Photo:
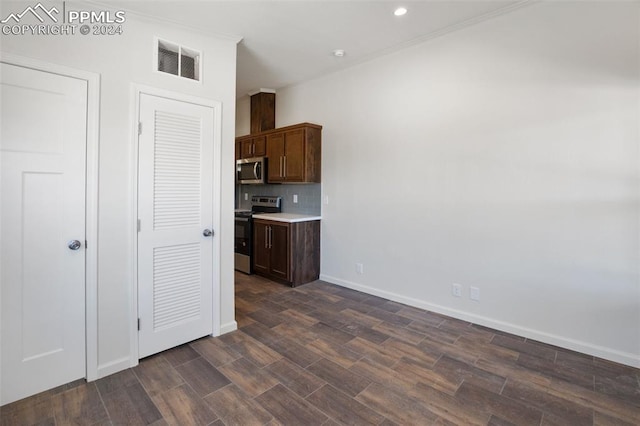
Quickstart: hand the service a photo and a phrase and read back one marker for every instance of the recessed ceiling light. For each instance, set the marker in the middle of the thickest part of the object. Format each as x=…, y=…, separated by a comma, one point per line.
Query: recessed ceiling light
x=339, y=53
x=400, y=11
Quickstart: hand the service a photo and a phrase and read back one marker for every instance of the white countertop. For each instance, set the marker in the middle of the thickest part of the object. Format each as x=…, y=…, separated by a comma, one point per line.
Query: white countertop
x=286, y=217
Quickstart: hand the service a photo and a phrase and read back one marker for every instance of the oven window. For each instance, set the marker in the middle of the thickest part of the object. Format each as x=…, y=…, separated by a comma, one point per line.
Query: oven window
x=242, y=229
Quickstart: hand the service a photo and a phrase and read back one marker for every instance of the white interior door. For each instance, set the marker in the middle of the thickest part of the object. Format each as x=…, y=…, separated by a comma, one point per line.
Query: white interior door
x=175, y=210
x=43, y=149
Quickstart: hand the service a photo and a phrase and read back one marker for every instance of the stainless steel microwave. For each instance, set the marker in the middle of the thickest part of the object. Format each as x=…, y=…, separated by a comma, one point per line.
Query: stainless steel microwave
x=251, y=170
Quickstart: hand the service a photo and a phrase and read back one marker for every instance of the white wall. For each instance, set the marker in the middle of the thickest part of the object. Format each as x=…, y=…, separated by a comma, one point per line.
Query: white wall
x=121, y=61
x=243, y=117
x=503, y=156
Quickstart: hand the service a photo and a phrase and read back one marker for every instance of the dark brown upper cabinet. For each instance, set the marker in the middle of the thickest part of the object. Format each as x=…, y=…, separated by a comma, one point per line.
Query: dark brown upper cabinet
x=263, y=112
x=294, y=154
x=251, y=146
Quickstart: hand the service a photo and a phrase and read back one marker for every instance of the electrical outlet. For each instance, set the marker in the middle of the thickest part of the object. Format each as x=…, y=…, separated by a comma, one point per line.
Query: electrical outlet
x=295, y=198
x=474, y=293
x=360, y=268
x=456, y=290
x=246, y=196
x=326, y=199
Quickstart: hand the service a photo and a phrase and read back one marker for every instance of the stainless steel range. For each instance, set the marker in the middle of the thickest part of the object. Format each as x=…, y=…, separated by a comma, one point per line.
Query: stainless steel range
x=243, y=245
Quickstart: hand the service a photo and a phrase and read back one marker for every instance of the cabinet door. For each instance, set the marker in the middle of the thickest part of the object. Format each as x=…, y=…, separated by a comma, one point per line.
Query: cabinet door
x=238, y=150
x=294, y=152
x=261, y=251
x=275, y=153
x=259, y=146
x=247, y=148
x=279, y=236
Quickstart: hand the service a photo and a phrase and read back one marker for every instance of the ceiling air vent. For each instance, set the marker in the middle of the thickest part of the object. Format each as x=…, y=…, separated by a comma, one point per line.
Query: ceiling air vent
x=178, y=60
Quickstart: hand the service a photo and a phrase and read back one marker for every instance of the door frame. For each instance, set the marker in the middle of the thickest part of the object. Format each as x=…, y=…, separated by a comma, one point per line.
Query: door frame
x=136, y=91
x=91, y=193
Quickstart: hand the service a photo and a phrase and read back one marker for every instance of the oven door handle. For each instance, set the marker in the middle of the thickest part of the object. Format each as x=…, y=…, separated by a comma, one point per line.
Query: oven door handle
x=243, y=219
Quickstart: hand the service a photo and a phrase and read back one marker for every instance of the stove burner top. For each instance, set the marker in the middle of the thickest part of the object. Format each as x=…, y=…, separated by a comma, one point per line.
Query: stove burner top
x=261, y=204
x=266, y=204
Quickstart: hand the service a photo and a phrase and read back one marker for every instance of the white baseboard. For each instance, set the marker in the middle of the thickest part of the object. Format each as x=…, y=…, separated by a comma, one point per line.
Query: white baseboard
x=228, y=327
x=630, y=359
x=126, y=362
x=112, y=367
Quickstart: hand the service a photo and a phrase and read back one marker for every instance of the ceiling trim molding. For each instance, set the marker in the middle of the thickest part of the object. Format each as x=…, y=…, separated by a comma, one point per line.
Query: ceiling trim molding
x=261, y=90
x=424, y=38
x=163, y=21
x=455, y=27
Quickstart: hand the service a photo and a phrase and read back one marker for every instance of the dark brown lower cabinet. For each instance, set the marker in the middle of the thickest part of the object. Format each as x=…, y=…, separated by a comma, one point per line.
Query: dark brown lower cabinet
x=287, y=252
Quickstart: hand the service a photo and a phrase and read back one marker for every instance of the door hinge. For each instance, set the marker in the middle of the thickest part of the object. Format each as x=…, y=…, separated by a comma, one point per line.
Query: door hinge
x=138, y=225
x=138, y=324
x=139, y=127
x=86, y=246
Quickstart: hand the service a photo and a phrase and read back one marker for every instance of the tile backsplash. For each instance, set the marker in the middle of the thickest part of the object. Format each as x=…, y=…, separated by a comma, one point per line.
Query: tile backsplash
x=309, y=196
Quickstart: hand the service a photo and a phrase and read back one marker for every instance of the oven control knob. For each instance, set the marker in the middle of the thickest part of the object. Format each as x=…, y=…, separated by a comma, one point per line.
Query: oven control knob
x=207, y=232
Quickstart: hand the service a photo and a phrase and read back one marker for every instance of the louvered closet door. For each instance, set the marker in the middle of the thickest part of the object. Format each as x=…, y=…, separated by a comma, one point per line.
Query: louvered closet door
x=175, y=207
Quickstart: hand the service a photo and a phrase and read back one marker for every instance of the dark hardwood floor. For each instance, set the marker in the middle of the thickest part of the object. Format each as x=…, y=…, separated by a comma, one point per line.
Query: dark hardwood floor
x=324, y=355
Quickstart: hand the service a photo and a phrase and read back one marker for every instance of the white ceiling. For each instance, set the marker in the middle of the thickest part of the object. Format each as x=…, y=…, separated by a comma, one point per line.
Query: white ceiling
x=287, y=42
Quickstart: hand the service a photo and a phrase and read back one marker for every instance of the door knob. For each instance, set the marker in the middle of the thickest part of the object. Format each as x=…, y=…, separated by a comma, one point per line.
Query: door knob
x=74, y=244
x=207, y=232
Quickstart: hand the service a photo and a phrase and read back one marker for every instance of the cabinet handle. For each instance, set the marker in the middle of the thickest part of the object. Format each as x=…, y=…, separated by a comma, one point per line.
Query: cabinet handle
x=284, y=167
x=270, y=237
x=266, y=237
